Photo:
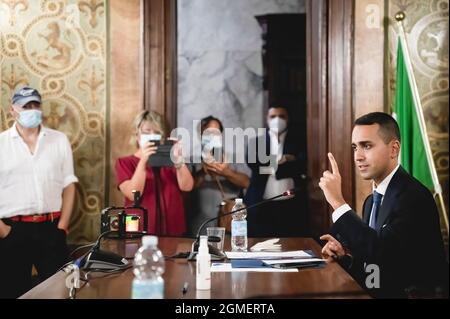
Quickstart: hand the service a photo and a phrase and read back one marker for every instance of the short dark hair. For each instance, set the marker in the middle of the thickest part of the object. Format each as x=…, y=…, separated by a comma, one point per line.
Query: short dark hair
x=278, y=106
x=389, y=129
x=206, y=120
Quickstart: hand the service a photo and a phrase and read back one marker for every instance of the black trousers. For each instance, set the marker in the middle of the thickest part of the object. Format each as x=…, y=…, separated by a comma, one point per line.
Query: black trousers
x=40, y=244
x=284, y=218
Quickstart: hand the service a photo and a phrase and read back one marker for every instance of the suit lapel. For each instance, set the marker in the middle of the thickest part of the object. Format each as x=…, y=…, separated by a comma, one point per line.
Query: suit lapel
x=392, y=191
x=367, y=208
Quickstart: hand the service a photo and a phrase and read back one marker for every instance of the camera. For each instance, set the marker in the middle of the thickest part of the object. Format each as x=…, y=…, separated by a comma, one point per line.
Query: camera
x=118, y=224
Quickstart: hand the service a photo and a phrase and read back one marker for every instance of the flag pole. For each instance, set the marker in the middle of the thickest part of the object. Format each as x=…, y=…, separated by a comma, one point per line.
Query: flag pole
x=400, y=16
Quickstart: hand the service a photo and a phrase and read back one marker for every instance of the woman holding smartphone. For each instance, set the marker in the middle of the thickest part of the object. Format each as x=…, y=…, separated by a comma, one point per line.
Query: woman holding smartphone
x=161, y=187
x=216, y=177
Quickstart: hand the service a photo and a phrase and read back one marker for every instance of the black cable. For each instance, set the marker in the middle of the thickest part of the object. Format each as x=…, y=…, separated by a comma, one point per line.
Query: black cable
x=95, y=245
x=81, y=247
x=97, y=242
x=85, y=279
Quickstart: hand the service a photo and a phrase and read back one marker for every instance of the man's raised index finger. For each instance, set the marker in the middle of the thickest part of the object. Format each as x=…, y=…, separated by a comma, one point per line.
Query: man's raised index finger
x=334, y=166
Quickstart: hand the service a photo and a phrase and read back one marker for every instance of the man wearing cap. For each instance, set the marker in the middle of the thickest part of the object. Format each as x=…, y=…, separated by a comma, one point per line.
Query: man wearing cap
x=36, y=198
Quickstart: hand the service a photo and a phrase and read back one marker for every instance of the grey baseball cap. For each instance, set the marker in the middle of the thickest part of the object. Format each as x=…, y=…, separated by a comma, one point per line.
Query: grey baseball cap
x=25, y=95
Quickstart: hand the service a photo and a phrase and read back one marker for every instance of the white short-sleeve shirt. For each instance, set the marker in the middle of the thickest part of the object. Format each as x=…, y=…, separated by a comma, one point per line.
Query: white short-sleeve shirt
x=33, y=183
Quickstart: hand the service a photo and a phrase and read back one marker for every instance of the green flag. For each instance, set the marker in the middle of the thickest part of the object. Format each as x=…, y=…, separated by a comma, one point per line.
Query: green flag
x=413, y=155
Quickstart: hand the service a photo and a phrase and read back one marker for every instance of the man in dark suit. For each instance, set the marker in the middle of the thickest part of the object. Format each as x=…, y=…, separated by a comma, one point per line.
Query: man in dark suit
x=396, y=250
x=287, y=216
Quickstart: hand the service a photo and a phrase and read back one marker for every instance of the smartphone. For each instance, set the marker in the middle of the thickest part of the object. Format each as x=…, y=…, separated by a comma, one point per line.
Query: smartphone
x=217, y=153
x=156, y=142
x=162, y=156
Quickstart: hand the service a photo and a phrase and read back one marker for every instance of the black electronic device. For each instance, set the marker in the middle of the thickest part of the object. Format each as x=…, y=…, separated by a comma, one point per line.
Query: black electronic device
x=162, y=156
x=119, y=224
x=104, y=260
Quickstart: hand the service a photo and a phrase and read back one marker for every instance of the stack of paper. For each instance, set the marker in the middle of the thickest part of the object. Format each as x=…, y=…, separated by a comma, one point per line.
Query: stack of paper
x=294, y=263
x=227, y=267
x=268, y=255
x=268, y=261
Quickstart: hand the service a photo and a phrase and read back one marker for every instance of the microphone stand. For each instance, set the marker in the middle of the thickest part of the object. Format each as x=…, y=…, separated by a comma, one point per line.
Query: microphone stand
x=216, y=254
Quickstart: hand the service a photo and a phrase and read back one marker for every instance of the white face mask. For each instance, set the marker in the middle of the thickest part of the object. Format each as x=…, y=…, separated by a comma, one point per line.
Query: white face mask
x=30, y=118
x=148, y=137
x=211, y=140
x=277, y=125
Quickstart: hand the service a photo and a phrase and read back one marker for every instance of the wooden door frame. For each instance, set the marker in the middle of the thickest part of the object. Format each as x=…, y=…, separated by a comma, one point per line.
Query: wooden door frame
x=159, y=58
x=329, y=87
x=329, y=105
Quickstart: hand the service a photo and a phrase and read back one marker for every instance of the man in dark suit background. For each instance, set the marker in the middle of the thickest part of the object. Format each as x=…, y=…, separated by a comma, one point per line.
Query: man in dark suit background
x=399, y=232
x=286, y=216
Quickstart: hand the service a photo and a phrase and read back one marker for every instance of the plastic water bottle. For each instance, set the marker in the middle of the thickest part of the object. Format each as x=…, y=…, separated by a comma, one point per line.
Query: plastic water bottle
x=203, y=279
x=148, y=267
x=239, y=227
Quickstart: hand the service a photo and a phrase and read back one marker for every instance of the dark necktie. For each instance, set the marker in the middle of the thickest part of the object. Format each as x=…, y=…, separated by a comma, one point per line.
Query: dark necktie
x=375, y=208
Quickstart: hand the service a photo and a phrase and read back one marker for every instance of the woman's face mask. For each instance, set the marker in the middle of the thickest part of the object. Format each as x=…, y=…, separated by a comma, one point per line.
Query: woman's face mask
x=211, y=141
x=212, y=146
x=144, y=138
x=277, y=125
x=30, y=118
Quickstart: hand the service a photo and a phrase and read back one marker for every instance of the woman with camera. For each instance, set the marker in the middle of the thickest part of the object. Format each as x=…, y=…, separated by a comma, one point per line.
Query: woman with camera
x=161, y=187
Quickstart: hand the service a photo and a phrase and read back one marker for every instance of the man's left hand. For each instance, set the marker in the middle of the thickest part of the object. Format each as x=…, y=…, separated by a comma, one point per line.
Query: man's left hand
x=333, y=248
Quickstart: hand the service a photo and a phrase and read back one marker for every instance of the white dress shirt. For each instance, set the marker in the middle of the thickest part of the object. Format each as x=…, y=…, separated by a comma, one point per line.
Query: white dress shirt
x=33, y=183
x=275, y=186
x=381, y=189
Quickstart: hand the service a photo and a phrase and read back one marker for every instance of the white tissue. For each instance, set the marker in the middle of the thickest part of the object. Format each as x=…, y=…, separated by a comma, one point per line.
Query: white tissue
x=268, y=245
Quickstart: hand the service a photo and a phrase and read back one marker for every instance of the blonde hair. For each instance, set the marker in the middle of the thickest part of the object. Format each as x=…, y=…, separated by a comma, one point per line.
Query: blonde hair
x=154, y=118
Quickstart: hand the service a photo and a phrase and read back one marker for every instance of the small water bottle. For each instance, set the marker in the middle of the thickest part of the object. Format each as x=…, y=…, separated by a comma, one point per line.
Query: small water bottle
x=239, y=227
x=203, y=278
x=148, y=269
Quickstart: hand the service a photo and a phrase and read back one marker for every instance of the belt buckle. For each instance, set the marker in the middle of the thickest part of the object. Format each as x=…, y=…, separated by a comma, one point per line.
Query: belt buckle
x=35, y=217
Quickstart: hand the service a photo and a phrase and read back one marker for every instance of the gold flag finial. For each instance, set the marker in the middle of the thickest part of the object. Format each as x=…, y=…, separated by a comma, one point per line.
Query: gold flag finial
x=400, y=16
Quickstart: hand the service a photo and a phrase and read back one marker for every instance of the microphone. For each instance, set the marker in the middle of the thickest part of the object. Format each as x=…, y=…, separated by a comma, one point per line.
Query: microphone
x=217, y=254
x=97, y=258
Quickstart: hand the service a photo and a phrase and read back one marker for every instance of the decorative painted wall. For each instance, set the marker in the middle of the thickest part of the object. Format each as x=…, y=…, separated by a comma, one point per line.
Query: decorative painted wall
x=427, y=29
x=59, y=47
x=220, y=59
